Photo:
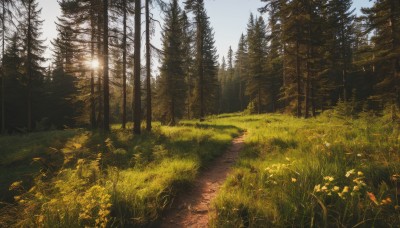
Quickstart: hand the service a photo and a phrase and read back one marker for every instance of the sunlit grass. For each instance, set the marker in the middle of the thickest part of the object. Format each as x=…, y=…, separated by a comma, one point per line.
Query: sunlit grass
x=291, y=172
x=135, y=177
x=297, y=169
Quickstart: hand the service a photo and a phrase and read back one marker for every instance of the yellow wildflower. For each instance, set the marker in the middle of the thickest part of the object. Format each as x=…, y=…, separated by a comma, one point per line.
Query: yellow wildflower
x=350, y=172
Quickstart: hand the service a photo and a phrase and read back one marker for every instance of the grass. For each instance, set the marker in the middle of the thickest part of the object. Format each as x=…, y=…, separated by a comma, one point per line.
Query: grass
x=116, y=179
x=17, y=152
x=292, y=173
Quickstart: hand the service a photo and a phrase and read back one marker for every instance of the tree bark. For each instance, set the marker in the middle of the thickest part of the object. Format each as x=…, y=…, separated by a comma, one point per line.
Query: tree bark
x=148, y=69
x=200, y=66
x=137, y=93
x=29, y=67
x=99, y=70
x=124, y=38
x=92, y=89
x=298, y=79
x=106, y=86
x=3, y=81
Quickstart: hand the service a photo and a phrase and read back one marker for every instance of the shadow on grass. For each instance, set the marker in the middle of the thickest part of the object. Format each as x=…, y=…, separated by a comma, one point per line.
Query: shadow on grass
x=283, y=143
x=18, y=152
x=145, y=152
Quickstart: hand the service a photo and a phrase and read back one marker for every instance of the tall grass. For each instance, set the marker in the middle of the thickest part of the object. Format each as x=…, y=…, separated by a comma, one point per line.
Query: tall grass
x=117, y=179
x=313, y=173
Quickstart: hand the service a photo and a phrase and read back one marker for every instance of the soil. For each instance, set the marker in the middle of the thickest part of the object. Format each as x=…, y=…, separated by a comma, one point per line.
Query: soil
x=192, y=208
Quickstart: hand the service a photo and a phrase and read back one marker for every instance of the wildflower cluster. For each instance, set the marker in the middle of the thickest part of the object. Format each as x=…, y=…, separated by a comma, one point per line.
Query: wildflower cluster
x=96, y=206
x=358, y=184
x=328, y=187
x=275, y=170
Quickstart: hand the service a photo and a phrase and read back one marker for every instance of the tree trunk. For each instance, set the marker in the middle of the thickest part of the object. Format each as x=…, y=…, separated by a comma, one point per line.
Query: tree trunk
x=344, y=70
x=99, y=73
x=148, y=69
x=137, y=98
x=3, y=80
x=240, y=85
x=106, y=88
x=124, y=38
x=259, y=99
x=298, y=80
x=200, y=66
x=29, y=68
x=312, y=92
x=92, y=86
x=307, y=85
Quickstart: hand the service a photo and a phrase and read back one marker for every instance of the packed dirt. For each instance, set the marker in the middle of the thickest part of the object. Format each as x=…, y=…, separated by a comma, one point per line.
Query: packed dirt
x=192, y=208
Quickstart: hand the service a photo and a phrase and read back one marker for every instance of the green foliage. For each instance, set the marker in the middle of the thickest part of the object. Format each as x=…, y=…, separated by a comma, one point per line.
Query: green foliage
x=129, y=183
x=312, y=173
x=171, y=86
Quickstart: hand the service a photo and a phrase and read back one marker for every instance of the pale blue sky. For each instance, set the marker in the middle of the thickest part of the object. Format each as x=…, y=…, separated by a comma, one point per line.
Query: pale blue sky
x=228, y=18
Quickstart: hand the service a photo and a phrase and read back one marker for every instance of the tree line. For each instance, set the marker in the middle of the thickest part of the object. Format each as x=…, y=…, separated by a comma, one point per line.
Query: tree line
x=306, y=57
x=97, y=65
x=310, y=56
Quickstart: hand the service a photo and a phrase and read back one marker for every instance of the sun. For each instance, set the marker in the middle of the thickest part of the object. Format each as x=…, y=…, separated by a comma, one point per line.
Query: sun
x=94, y=64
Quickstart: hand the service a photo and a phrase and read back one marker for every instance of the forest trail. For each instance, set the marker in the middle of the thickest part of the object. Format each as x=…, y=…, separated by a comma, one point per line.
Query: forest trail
x=192, y=208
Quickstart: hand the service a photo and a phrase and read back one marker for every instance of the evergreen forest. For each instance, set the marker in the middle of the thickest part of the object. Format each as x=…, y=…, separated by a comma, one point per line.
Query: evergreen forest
x=296, y=125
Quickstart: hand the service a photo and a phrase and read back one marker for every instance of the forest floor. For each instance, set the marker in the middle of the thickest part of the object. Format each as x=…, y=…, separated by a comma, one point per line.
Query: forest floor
x=192, y=208
x=333, y=170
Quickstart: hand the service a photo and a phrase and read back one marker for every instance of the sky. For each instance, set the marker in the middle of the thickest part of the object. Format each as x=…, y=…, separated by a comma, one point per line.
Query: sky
x=228, y=18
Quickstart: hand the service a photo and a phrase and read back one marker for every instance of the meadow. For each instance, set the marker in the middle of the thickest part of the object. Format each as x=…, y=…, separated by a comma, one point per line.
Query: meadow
x=321, y=172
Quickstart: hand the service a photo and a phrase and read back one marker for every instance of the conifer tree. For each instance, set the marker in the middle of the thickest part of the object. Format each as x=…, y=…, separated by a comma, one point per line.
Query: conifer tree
x=257, y=52
x=32, y=55
x=340, y=39
x=171, y=86
x=241, y=70
x=384, y=18
x=188, y=62
x=106, y=86
x=12, y=63
x=206, y=61
x=137, y=103
x=7, y=16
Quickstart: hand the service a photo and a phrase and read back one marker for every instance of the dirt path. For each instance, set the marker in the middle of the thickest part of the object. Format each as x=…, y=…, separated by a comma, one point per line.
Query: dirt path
x=192, y=208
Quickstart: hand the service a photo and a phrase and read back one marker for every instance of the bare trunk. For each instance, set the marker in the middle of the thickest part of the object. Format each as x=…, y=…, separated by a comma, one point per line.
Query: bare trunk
x=344, y=70
x=99, y=74
x=298, y=80
x=3, y=81
x=259, y=99
x=313, y=108
x=92, y=89
x=106, y=88
x=29, y=68
x=148, y=69
x=124, y=38
x=200, y=68
x=137, y=98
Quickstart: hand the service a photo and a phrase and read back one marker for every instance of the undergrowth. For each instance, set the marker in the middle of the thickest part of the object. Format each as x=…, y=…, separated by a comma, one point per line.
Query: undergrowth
x=323, y=172
x=116, y=179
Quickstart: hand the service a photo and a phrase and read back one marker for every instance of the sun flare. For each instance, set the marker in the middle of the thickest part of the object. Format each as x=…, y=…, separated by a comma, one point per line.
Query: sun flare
x=94, y=64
